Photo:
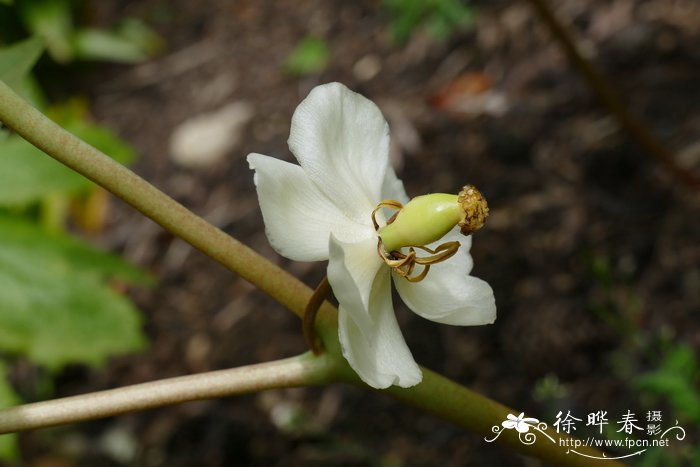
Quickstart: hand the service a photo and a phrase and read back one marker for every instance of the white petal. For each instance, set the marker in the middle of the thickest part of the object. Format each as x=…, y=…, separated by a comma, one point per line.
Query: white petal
x=461, y=262
x=341, y=140
x=393, y=188
x=352, y=268
x=375, y=348
x=298, y=217
x=448, y=294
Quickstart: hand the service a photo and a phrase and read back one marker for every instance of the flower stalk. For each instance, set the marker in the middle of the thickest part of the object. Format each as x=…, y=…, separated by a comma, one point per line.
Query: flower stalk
x=303, y=370
x=474, y=412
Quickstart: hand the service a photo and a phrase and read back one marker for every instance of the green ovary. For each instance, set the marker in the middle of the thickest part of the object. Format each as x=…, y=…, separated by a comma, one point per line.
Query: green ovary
x=423, y=220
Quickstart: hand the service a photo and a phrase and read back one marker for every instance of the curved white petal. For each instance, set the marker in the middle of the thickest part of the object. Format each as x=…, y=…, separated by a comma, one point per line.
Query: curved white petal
x=461, y=262
x=448, y=299
x=375, y=347
x=298, y=217
x=448, y=294
x=352, y=268
x=341, y=140
x=393, y=188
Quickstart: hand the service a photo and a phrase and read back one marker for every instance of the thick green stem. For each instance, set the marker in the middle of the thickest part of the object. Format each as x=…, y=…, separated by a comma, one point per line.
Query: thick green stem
x=468, y=409
x=304, y=370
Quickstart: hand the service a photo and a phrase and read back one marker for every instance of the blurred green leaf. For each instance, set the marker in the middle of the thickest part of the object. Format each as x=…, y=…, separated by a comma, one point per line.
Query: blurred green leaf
x=6, y=2
x=52, y=21
x=30, y=89
x=676, y=379
x=132, y=41
x=449, y=17
x=96, y=44
x=311, y=55
x=55, y=304
x=18, y=59
x=28, y=175
x=8, y=397
x=440, y=18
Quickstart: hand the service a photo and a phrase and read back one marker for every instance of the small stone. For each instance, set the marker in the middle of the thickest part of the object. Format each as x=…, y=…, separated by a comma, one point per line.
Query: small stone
x=367, y=67
x=205, y=139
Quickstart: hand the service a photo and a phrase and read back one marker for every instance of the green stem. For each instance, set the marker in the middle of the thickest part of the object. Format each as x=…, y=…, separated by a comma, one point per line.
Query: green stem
x=36, y=128
x=303, y=370
x=474, y=412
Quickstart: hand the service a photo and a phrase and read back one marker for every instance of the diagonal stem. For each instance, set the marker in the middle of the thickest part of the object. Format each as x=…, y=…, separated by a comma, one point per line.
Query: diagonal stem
x=463, y=407
x=36, y=128
x=303, y=370
x=610, y=99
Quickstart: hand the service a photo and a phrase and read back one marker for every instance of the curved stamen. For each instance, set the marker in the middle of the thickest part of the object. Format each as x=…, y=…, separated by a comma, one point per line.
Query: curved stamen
x=387, y=203
x=441, y=253
x=405, y=264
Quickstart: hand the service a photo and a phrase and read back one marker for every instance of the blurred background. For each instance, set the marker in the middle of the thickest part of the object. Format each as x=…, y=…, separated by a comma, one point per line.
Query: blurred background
x=591, y=248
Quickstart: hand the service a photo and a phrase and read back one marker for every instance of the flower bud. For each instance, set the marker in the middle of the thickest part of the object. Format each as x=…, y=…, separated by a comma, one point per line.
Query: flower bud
x=426, y=219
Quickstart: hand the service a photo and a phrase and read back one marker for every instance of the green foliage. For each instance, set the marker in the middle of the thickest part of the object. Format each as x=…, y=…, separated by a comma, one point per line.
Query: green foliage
x=130, y=42
x=50, y=20
x=310, y=56
x=55, y=306
x=8, y=397
x=58, y=300
x=17, y=60
x=27, y=175
x=54, y=21
x=439, y=18
x=676, y=378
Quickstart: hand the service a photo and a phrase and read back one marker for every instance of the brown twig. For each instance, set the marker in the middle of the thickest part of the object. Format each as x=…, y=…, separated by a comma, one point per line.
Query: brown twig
x=595, y=79
x=309, y=318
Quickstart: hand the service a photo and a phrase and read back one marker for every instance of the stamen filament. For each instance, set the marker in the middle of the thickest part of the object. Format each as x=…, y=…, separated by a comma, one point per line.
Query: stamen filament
x=387, y=203
x=404, y=263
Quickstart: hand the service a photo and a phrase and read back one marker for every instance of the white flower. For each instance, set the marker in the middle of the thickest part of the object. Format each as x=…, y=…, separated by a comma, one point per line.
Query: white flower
x=520, y=423
x=321, y=210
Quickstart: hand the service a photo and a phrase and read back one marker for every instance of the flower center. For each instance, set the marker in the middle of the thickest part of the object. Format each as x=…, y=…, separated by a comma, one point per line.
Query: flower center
x=424, y=220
